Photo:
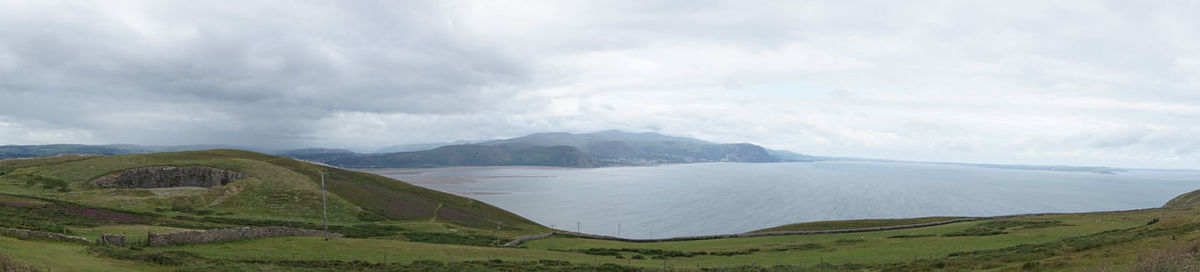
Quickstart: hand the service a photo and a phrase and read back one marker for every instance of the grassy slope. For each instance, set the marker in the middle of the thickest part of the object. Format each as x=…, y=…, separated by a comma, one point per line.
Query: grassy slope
x=58, y=256
x=875, y=248
x=278, y=188
x=856, y=224
x=1190, y=199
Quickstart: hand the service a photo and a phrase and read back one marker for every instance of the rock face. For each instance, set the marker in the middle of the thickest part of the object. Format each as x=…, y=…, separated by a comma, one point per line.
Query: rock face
x=168, y=176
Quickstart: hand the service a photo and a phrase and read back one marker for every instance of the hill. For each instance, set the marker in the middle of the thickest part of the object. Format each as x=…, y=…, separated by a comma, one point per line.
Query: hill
x=239, y=185
x=462, y=155
x=1186, y=200
x=29, y=151
x=417, y=147
x=624, y=148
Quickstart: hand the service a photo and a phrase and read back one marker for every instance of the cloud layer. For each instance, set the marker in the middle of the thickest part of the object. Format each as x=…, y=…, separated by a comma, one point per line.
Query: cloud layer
x=1070, y=82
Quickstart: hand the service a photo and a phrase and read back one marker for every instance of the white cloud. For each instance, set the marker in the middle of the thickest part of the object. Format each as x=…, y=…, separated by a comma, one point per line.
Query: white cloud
x=1072, y=82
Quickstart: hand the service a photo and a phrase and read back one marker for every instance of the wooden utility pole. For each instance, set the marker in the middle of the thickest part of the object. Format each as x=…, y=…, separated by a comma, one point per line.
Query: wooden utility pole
x=324, y=209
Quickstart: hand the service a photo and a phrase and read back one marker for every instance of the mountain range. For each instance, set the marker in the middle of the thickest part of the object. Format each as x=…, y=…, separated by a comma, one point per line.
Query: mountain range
x=606, y=148
x=562, y=149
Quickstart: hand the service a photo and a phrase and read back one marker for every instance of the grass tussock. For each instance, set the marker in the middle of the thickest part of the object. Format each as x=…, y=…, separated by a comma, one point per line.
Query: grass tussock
x=453, y=239
x=1178, y=258
x=9, y=265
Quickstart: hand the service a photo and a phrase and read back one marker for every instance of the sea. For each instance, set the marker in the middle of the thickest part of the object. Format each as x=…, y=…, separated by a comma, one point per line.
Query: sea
x=722, y=198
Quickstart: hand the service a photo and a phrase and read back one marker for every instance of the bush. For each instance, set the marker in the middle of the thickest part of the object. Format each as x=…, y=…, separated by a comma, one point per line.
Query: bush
x=843, y=242
x=366, y=231
x=136, y=254
x=452, y=238
x=1178, y=258
x=7, y=264
x=369, y=217
x=903, y=236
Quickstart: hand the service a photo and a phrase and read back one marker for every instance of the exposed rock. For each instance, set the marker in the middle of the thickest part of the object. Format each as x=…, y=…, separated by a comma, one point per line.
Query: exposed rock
x=168, y=176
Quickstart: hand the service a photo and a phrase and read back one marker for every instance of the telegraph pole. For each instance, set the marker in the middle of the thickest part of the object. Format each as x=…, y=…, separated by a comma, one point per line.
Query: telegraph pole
x=577, y=227
x=618, y=230
x=324, y=209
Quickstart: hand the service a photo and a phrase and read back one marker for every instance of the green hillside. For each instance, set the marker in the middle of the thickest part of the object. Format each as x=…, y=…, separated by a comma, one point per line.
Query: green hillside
x=276, y=188
x=1190, y=199
x=462, y=155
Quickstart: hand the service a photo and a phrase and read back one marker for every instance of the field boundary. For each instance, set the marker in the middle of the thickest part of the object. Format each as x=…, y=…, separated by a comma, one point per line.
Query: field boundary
x=231, y=234
x=25, y=234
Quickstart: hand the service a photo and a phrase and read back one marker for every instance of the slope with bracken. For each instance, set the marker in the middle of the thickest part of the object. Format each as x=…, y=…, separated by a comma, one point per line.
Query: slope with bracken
x=271, y=188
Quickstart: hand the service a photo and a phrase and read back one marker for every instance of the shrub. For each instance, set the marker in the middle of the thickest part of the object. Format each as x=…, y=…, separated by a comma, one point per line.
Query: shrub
x=903, y=236
x=366, y=230
x=1178, y=258
x=136, y=254
x=7, y=264
x=452, y=238
x=848, y=241
x=369, y=217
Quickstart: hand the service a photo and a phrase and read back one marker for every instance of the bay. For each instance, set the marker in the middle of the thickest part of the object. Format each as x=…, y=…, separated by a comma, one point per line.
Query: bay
x=720, y=198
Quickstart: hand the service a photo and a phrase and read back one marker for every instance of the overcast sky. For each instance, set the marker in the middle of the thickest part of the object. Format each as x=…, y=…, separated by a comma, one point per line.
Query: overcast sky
x=1031, y=82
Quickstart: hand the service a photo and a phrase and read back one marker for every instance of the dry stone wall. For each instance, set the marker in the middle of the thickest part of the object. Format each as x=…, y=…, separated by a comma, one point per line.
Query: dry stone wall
x=111, y=239
x=221, y=235
x=168, y=176
x=33, y=234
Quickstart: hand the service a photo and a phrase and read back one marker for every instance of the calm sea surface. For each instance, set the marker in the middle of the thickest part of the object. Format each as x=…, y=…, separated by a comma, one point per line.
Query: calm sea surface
x=718, y=198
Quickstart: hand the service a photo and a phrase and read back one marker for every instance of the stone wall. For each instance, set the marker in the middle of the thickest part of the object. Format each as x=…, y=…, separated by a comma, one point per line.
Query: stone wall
x=111, y=239
x=168, y=176
x=220, y=235
x=42, y=235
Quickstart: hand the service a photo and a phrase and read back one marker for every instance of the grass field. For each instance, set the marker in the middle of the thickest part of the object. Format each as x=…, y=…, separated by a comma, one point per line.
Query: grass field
x=867, y=251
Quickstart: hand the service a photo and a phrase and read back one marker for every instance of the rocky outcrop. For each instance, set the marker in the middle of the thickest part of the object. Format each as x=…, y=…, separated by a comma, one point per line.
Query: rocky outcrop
x=221, y=235
x=168, y=176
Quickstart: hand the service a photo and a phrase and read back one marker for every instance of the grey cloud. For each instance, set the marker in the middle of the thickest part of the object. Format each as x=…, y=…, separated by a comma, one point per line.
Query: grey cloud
x=1027, y=81
x=271, y=66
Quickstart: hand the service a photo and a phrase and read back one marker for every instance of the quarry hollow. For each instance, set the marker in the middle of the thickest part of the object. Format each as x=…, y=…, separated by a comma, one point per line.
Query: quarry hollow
x=167, y=177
